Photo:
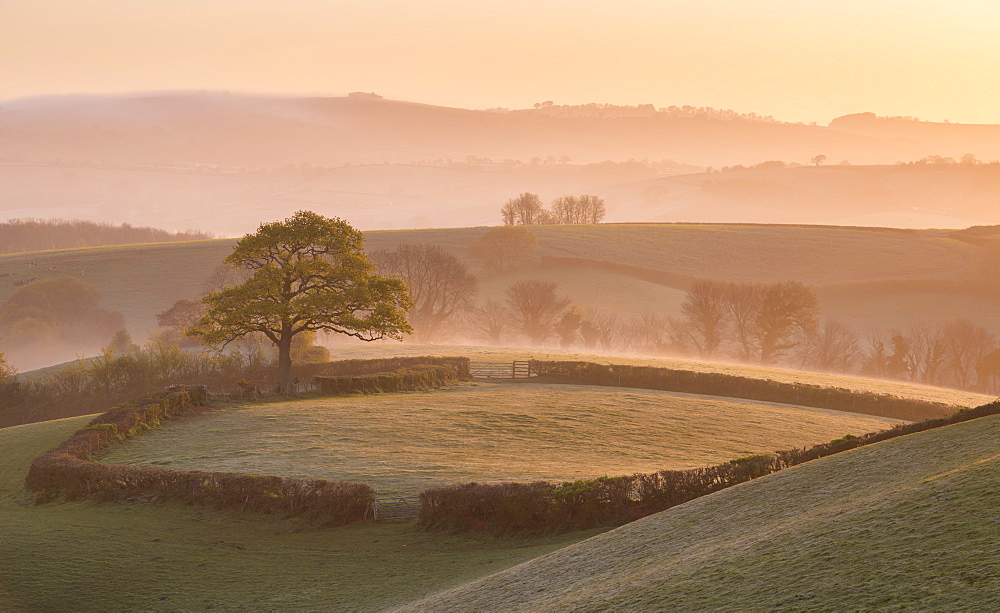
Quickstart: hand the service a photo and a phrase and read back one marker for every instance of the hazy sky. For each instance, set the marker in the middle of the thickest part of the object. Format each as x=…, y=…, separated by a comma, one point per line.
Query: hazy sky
x=794, y=59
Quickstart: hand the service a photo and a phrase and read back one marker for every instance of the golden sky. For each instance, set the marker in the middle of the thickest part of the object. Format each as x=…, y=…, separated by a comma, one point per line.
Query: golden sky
x=794, y=59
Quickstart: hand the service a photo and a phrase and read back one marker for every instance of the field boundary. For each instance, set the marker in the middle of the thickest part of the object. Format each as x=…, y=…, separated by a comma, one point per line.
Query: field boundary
x=543, y=507
x=747, y=388
x=70, y=471
x=516, y=369
x=429, y=373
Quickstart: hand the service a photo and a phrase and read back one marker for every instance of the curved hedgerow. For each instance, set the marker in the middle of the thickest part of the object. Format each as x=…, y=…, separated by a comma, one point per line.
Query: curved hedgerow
x=72, y=472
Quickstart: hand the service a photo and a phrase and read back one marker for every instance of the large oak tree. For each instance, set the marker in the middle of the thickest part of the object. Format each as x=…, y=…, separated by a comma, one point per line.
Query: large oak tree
x=307, y=273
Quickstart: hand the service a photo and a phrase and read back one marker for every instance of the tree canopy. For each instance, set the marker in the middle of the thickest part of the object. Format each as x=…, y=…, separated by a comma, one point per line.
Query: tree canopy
x=307, y=273
x=63, y=311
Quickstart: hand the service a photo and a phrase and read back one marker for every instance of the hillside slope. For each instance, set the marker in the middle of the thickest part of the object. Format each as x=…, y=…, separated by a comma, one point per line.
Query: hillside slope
x=902, y=196
x=908, y=524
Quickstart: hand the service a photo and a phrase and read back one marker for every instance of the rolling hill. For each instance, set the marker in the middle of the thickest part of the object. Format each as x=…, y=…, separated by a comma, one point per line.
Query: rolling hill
x=220, y=162
x=907, y=524
x=250, y=131
x=869, y=278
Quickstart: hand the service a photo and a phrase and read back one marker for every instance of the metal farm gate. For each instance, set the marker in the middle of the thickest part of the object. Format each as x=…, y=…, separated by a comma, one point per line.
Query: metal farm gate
x=406, y=507
x=518, y=369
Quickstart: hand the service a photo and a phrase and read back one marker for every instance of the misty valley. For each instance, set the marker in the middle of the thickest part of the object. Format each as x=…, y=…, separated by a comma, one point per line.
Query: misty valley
x=292, y=351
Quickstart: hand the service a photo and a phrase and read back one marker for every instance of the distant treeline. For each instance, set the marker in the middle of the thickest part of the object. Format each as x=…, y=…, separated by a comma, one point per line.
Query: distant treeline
x=596, y=110
x=19, y=235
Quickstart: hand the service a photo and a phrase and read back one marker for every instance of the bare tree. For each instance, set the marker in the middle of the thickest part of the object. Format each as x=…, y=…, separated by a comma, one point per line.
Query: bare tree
x=704, y=311
x=965, y=346
x=592, y=209
x=524, y=210
x=500, y=249
x=491, y=322
x=584, y=209
x=644, y=333
x=600, y=330
x=439, y=283
x=537, y=307
x=925, y=351
x=564, y=210
x=225, y=275
x=832, y=347
x=743, y=305
x=787, y=310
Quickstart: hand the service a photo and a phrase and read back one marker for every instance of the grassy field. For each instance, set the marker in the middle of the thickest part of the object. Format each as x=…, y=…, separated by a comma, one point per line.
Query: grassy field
x=403, y=443
x=908, y=524
x=80, y=557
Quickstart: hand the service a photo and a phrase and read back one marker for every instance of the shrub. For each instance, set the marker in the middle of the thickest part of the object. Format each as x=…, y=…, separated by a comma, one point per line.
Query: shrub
x=420, y=376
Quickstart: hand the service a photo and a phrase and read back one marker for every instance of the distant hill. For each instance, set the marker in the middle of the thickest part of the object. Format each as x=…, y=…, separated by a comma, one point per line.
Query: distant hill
x=221, y=163
x=950, y=139
x=921, y=195
x=907, y=524
x=230, y=130
x=382, y=196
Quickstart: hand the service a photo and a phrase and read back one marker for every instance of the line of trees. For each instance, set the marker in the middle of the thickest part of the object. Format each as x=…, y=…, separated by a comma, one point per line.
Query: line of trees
x=764, y=323
x=527, y=209
x=55, y=317
x=19, y=235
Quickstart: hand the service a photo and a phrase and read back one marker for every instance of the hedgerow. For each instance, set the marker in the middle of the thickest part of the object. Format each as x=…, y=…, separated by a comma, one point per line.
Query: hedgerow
x=736, y=386
x=417, y=377
x=72, y=470
x=535, y=508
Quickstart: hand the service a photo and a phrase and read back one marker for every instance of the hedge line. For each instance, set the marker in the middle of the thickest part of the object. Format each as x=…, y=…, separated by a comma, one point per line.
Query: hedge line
x=381, y=365
x=735, y=386
x=417, y=377
x=534, y=508
x=70, y=471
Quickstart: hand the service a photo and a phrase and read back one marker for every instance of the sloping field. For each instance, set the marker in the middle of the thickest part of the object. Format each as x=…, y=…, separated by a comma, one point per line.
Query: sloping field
x=85, y=557
x=908, y=524
x=404, y=443
x=136, y=280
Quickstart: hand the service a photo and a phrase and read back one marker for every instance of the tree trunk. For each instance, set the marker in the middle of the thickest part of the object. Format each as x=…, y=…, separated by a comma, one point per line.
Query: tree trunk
x=285, y=364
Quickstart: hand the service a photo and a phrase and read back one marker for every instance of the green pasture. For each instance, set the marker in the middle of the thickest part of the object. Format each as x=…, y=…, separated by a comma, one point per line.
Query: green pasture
x=76, y=557
x=909, y=524
x=401, y=444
